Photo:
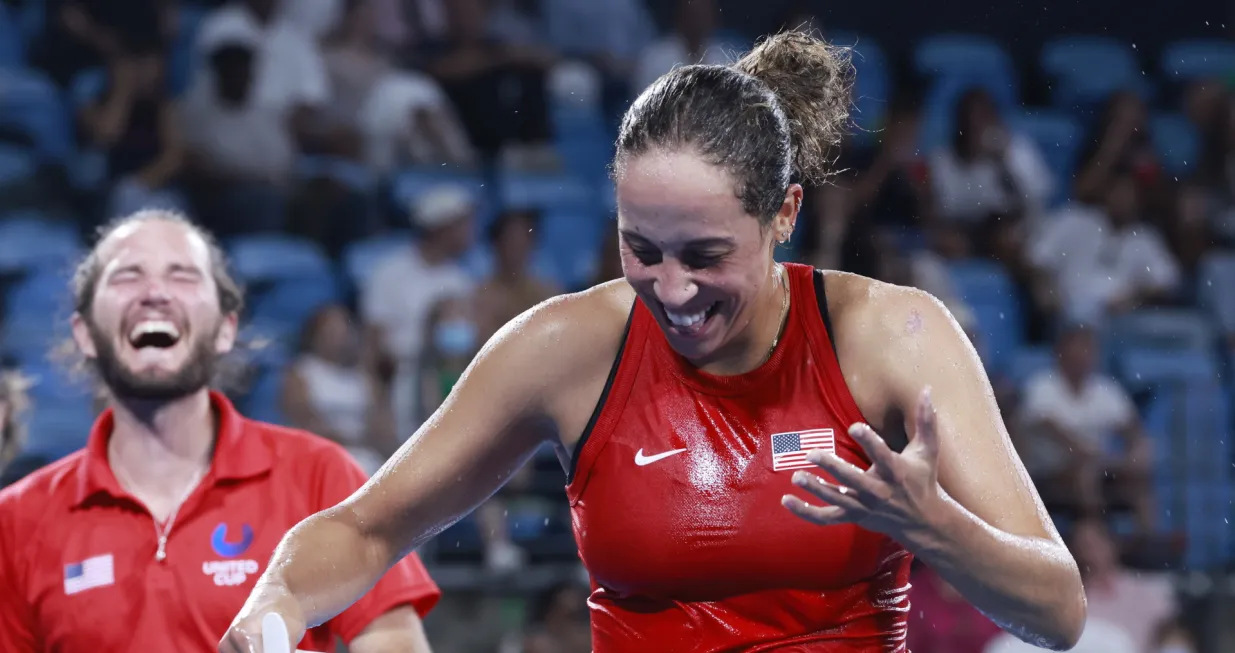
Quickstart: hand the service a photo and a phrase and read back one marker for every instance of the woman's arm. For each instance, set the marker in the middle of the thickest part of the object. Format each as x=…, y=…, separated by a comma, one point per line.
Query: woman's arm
x=505, y=405
x=987, y=533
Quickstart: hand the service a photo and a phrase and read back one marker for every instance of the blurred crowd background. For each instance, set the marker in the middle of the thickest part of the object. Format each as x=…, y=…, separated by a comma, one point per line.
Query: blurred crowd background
x=396, y=179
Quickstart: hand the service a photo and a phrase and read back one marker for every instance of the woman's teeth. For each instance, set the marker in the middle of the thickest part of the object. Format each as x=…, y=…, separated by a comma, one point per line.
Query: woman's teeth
x=687, y=319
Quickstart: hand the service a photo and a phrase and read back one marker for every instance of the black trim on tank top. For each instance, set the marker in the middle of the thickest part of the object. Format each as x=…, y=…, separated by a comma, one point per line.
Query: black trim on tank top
x=821, y=298
x=604, y=394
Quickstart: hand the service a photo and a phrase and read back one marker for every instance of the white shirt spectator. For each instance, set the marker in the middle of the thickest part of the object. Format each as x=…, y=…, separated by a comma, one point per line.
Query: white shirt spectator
x=400, y=293
x=246, y=141
x=342, y=396
x=968, y=192
x=1094, y=414
x=1095, y=264
x=290, y=70
x=667, y=52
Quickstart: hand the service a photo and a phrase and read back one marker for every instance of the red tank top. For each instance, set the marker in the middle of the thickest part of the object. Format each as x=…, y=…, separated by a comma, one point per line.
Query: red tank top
x=675, y=499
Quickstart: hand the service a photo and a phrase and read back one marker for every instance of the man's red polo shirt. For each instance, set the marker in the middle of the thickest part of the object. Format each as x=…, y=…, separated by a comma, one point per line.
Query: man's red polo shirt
x=77, y=553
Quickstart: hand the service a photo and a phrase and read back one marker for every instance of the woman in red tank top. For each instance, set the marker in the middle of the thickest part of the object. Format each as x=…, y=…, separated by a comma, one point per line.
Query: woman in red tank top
x=719, y=415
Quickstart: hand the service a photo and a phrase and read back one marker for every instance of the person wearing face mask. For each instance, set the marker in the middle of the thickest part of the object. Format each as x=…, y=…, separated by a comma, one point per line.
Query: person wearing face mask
x=335, y=389
x=454, y=339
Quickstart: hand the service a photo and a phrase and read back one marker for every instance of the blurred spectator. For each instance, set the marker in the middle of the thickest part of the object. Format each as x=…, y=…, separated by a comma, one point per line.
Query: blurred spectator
x=241, y=154
x=13, y=402
x=1216, y=169
x=1191, y=236
x=80, y=34
x=889, y=185
x=289, y=74
x=512, y=289
x=1119, y=145
x=134, y=122
x=498, y=88
x=987, y=169
x=1004, y=239
x=941, y=620
x=559, y=622
x=608, y=35
x=692, y=41
x=1069, y=418
x=403, y=115
x=1106, y=260
x=334, y=389
x=1139, y=604
x=454, y=339
x=396, y=300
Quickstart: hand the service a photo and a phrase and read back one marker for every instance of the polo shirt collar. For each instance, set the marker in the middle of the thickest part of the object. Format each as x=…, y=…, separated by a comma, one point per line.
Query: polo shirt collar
x=239, y=453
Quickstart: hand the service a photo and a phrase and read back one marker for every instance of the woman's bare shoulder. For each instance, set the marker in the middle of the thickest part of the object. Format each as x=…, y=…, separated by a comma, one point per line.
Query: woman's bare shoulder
x=566, y=336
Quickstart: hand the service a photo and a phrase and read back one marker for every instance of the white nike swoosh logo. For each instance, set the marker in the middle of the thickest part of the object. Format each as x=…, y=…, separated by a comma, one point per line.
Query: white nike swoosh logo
x=642, y=460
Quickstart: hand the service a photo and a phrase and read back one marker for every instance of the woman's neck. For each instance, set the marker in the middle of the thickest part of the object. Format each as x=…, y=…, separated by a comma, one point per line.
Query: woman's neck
x=751, y=350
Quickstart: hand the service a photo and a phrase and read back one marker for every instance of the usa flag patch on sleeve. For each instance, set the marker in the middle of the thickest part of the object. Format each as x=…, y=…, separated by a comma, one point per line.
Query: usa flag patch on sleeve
x=789, y=449
x=90, y=573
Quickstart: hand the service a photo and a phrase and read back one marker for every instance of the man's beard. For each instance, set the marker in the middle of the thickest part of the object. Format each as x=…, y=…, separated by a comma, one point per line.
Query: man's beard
x=196, y=372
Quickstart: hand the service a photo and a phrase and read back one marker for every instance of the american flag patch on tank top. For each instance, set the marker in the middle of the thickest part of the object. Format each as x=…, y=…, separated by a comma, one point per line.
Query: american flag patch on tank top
x=789, y=449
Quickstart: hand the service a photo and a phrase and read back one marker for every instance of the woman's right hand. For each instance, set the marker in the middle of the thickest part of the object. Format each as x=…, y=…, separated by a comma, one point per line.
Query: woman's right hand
x=245, y=633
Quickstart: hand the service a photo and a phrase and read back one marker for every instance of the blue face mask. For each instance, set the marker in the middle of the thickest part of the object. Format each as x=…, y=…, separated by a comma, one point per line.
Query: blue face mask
x=455, y=338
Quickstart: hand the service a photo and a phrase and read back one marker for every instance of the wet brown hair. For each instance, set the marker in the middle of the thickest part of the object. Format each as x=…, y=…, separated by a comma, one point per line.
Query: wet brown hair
x=774, y=117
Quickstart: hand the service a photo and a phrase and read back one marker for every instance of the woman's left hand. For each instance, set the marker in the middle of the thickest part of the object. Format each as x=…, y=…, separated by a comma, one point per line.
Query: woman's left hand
x=896, y=496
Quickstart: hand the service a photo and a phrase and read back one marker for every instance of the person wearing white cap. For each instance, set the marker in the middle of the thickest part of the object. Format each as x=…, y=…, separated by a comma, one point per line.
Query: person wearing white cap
x=395, y=300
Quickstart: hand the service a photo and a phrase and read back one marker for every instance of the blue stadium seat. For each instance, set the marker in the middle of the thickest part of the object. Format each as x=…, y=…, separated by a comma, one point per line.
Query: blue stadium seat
x=1145, y=368
x=261, y=402
x=1176, y=141
x=1192, y=59
x=1162, y=328
x=570, y=243
x=963, y=54
x=988, y=290
x=352, y=175
x=1058, y=136
x=1087, y=69
x=36, y=310
x=270, y=258
x=17, y=164
x=63, y=411
x=282, y=309
x=1029, y=361
x=544, y=191
x=12, y=50
x=30, y=240
x=182, y=62
x=1215, y=279
x=411, y=182
x=31, y=102
x=362, y=257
